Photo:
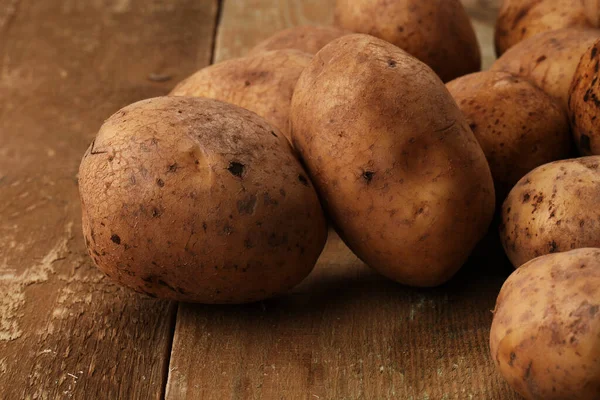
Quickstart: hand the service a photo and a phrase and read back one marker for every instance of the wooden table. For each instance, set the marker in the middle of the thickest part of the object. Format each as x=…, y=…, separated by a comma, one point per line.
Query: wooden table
x=68, y=332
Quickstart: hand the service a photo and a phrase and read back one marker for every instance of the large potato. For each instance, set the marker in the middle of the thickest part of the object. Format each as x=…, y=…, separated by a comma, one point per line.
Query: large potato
x=518, y=126
x=553, y=208
x=520, y=19
x=437, y=32
x=309, y=39
x=545, y=337
x=393, y=159
x=584, y=102
x=263, y=83
x=549, y=59
x=197, y=200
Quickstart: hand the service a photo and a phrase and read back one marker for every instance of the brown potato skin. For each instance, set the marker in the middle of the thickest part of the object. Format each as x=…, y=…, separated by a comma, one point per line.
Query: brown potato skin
x=308, y=39
x=437, y=32
x=552, y=209
x=393, y=159
x=549, y=59
x=518, y=126
x=521, y=19
x=262, y=83
x=584, y=103
x=197, y=200
x=545, y=336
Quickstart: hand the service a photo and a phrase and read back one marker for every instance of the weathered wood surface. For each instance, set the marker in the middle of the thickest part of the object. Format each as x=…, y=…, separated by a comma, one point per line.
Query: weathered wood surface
x=66, y=65
x=345, y=333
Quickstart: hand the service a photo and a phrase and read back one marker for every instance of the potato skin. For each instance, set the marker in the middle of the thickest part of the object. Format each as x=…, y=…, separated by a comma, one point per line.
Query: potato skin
x=262, y=83
x=518, y=126
x=521, y=19
x=400, y=172
x=549, y=59
x=552, y=209
x=197, y=200
x=308, y=39
x=545, y=336
x=584, y=103
x=437, y=32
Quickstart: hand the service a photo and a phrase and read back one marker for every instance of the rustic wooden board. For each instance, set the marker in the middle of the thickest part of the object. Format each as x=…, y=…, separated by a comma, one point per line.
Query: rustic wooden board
x=65, y=65
x=345, y=333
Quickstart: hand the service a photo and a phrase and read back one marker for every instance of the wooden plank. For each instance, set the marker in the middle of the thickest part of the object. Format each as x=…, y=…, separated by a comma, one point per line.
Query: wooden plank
x=65, y=65
x=346, y=332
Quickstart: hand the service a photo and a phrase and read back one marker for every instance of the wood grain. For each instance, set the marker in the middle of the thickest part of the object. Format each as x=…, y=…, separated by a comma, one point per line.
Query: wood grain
x=65, y=331
x=346, y=332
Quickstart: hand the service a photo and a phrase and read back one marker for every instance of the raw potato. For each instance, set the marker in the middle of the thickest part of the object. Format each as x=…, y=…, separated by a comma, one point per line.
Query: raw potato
x=262, y=83
x=553, y=208
x=518, y=126
x=549, y=59
x=545, y=337
x=400, y=172
x=309, y=39
x=437, y=32
x=520, y=19
x=197, y=200
x=584, y=102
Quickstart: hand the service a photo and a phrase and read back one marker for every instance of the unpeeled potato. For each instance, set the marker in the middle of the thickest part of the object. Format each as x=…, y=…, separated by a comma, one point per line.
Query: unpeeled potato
x=549, y=59
x=309, y=39
x=545, y=336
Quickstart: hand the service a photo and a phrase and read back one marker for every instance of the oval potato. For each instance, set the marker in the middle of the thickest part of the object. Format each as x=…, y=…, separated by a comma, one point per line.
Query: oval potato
x=545, y=336
x=518, y=126
x=437, y=32
x=552, y=209
x=308, y=39
x=549, y=59
x=584, y=102
x=262, y=83
x=400, y=172
x=197, y=200
x=520, y=19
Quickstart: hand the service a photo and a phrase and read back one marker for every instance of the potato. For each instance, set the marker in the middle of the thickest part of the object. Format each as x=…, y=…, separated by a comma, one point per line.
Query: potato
x=520, y=19
x=518, y=126
x=437, y=32
x=309, y=39
x=549, y=59
x=393, y=159
x=584, y=102
x=262, y=83
x=552, y=209
x=197, y=200
x=545, y=336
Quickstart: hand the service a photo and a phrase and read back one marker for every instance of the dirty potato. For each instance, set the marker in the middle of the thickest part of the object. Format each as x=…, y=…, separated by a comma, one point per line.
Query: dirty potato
x=197, y=200
x=584, y=102
x=545, y=336
x=552, y=209
x=401, y=173
x=549, y=59
x=309, y=39
x=520, y=19
x=437, y=32
x=518, y=125
x=262, y=83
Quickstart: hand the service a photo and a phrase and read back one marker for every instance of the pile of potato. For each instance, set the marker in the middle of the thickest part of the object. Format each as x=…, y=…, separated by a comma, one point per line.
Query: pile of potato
x=222, y=191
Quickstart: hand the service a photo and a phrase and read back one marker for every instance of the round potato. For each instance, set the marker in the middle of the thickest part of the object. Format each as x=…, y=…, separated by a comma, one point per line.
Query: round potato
x=549, y=59
x=584, y=102
x=517, y=124
x=262, y=83
x=552, y=209
x=520, y=19
x=197, y=200
x=437, y=32
x=401, y=173
x=309, y=39
x=545, y=336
